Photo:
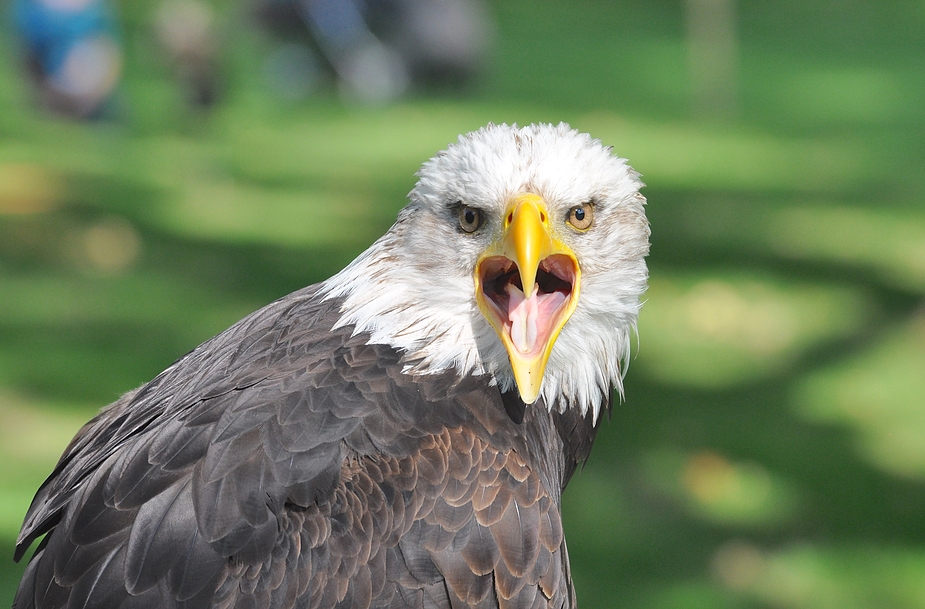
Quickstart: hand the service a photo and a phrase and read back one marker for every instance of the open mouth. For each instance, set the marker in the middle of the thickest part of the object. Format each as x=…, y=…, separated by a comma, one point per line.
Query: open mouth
x=528, y=318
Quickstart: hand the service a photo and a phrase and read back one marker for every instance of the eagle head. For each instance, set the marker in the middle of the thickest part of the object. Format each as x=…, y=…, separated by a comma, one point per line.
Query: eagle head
x=521, y=255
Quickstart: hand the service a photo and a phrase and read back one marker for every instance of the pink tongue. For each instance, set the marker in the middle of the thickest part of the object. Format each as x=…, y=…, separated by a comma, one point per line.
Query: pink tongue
x=523, y=313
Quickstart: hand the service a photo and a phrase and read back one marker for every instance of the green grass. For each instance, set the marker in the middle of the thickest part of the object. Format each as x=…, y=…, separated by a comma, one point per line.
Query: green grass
x=770, y=449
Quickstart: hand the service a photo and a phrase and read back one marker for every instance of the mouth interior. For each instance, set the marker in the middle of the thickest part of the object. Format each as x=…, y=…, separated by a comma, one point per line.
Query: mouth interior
x=528, y=319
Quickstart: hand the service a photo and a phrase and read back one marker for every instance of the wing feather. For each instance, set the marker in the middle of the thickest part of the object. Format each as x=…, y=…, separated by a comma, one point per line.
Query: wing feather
x=159, y=536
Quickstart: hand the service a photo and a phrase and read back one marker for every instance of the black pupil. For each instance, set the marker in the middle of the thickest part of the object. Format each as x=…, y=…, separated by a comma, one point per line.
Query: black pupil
x=470, y=216
x=579, y=214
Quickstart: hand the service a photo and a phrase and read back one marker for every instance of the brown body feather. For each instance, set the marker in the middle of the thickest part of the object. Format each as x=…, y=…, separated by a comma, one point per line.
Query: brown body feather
x=285, y=463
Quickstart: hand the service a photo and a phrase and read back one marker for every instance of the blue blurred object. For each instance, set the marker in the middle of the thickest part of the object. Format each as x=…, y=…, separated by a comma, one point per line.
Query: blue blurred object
x=72, y=53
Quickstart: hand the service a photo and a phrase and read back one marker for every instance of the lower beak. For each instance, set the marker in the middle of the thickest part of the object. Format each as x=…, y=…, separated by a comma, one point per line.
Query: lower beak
x=527, y=288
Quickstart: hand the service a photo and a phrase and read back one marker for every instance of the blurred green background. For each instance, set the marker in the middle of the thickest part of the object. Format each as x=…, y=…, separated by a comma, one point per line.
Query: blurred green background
x=771, y=448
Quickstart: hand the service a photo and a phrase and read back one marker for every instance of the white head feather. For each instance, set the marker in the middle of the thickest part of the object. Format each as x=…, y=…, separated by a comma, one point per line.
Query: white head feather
x=414, y=288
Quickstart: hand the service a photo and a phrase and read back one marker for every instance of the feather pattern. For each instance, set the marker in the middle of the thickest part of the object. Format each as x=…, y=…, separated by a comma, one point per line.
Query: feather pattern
x=268, y=505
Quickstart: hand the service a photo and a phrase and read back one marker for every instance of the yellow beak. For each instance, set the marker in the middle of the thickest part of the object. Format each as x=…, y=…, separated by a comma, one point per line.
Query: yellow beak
x=527, y=315
x=526, y=238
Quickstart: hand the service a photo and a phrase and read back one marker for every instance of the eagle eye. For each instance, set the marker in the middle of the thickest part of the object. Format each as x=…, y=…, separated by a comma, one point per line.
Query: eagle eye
x=581, y=216
x=470, y=218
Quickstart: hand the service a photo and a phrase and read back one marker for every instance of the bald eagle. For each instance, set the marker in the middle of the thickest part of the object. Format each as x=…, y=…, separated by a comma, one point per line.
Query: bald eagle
x=396, y=436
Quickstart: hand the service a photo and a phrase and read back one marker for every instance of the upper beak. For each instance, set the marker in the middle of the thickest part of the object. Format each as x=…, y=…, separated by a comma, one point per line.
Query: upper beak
x=527, y=305
x=526, y=238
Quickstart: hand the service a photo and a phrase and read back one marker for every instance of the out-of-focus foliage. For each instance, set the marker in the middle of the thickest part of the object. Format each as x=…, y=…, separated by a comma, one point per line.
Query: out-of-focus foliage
x=771, y=448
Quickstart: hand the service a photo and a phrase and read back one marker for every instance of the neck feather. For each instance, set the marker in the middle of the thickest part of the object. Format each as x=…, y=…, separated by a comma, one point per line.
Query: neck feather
x=434, y=320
